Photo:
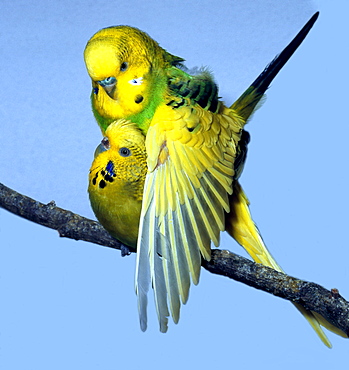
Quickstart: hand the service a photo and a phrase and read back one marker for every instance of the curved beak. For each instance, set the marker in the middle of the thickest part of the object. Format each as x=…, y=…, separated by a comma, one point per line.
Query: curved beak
x=109, y=85
x=100, y=149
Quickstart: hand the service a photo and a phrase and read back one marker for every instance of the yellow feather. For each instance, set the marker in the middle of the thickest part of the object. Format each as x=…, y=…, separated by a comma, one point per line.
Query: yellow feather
x=116, y=201
x=240, y=226
x=190, y=162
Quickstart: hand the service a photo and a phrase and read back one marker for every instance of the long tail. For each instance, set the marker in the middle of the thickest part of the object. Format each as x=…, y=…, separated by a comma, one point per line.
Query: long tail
x=241, y=227
x=246, y=103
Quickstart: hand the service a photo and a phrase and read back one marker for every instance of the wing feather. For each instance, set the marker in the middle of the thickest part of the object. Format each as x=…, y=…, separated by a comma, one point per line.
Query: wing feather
x=169, y=271
x=196, y=234
x=191, y=154
x=158, y=258
x=179, y=258
x=143, y=278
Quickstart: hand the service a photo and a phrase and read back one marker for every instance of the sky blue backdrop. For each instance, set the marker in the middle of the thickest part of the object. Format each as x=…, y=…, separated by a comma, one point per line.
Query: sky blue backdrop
x=71, y=305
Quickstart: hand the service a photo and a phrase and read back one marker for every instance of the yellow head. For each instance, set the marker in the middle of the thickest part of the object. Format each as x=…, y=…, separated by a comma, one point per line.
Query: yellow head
x=116, y=180
x=126, y=67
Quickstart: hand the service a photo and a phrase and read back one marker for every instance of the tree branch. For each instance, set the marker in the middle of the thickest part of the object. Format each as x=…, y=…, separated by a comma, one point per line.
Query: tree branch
x=330, y=304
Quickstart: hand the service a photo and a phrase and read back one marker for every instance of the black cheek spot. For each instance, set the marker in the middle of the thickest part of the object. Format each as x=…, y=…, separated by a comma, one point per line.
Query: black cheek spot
x=107, y=177
x=138, y=99
x=95, y=90
x=94, y=180
x=103, y=173
x=102, y=184
x=191, y=129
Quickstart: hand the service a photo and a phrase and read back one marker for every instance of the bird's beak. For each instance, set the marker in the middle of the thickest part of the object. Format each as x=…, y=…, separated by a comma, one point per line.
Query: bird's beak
x=100, y=149
x=109, y=85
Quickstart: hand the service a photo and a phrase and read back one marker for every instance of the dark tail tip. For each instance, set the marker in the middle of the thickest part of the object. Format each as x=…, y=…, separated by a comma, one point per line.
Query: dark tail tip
x=263, y=81
x=247, y=102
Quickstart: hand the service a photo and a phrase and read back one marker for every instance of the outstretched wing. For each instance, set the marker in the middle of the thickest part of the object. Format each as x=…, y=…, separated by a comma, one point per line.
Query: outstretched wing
x=191, y=154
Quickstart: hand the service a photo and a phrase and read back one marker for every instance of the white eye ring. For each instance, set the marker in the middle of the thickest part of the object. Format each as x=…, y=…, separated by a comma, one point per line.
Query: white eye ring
x=136, y=81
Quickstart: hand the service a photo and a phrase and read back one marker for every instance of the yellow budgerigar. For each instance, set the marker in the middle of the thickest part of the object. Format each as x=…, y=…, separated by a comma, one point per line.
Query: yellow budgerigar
x=116, y=181
x=193, y=152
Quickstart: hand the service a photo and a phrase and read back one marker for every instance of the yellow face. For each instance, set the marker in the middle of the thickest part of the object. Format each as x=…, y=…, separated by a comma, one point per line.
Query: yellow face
x=120, y=160
x=119, y=63
x=116, y=181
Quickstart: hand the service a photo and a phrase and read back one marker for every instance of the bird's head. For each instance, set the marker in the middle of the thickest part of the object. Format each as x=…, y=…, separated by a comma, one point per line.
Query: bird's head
x=125, y=66
x=121, y=154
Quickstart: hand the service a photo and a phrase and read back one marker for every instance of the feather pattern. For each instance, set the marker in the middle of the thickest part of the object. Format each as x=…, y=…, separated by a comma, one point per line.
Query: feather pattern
x=186, y=193
x=195, y=149
x=240, y=226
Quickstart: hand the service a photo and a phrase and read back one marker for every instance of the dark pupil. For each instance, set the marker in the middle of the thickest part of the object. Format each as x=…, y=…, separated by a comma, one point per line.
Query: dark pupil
x=125, y=152
x=123, y=67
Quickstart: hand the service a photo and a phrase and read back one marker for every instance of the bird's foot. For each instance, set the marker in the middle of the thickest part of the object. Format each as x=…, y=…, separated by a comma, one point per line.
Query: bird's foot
x=125, y=251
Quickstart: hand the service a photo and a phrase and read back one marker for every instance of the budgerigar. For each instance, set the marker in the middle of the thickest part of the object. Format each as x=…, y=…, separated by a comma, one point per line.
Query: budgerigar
x=194, y=155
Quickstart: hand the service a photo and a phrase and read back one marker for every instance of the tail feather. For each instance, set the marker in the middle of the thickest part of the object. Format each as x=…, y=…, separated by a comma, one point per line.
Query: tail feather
x=239, y=223
x=247, y=102
x=240, y=226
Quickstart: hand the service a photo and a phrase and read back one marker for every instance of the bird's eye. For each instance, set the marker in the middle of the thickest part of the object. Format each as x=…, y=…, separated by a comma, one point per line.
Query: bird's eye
x=125, y=152
x=123, y=67
x=105, y=143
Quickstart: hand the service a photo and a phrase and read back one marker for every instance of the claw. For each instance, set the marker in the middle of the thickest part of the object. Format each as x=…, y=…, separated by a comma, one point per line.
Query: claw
x=125, y=251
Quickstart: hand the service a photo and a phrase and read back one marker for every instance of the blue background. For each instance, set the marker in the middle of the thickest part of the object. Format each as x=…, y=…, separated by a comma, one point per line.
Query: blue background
x=71, y=305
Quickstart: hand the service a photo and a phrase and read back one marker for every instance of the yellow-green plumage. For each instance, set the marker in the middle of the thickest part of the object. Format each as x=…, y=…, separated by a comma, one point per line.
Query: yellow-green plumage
x=117, y=204
x=193, y=157
x=116, y=181
x=106, y=55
